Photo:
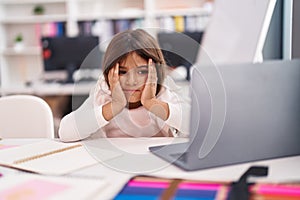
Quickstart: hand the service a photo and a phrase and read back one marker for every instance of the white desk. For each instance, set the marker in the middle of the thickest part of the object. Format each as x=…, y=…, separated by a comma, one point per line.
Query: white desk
x=282, y=169
x=44, y=89
x=50, y=89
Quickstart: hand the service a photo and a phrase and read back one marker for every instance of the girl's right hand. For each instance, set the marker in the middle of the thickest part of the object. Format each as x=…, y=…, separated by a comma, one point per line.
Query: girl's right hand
x=118, y=97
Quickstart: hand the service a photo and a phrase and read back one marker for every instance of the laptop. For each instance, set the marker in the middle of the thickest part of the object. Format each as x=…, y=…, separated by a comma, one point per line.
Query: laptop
x=240, y=113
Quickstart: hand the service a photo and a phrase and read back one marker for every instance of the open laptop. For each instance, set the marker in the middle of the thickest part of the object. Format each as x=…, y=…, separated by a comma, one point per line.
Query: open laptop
x=240, y=113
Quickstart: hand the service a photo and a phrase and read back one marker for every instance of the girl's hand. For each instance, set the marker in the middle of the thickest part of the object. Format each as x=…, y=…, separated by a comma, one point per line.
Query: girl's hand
x=148, y=98
x=149, y=91
x=118, y=97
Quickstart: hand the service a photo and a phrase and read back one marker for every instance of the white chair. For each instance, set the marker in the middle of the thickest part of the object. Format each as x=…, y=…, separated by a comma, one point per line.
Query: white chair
x=25, y=116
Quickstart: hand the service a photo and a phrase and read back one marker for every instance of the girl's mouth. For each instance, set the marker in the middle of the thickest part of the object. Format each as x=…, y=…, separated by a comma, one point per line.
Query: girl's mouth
x=131, y=91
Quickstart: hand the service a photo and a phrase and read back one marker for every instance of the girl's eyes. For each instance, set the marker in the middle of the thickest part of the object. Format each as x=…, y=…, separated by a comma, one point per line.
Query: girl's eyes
x=122, y=72
x=143, y=71
x=138, y=71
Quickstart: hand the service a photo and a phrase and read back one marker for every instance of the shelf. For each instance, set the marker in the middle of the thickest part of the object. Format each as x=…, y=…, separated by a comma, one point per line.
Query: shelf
x=72, y=18
x=51, y=89
x=30, y=51
x=124, y=15
x=63, y=18
x=88, y=17
x=14, y=2
x=112, y=15
x=34, y=19
x=17, y=90
x=182, y=12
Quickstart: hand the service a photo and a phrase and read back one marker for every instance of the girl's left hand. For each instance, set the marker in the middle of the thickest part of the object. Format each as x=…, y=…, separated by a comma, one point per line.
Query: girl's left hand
x=150, y=85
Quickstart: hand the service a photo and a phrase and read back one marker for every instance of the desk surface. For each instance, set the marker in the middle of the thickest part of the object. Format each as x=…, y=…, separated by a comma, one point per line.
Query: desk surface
x=49, y=89
x=282, y=169
x=45, y=89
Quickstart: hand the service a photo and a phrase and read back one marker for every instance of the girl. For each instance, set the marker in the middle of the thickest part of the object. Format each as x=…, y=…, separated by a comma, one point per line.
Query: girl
x=132, y=98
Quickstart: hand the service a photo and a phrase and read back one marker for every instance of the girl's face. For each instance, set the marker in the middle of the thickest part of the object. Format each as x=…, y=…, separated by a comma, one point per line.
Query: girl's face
x=133, y=73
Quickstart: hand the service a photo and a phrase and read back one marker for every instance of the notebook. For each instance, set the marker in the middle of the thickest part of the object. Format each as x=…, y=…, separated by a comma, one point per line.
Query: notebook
x=34, y=187
x=51, y=157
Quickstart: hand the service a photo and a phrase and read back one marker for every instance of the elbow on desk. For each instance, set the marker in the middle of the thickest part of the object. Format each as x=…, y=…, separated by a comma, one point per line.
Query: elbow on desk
x=67, y=131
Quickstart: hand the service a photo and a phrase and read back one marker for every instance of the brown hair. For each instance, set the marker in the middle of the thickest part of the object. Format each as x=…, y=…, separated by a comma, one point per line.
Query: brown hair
x=140, y=42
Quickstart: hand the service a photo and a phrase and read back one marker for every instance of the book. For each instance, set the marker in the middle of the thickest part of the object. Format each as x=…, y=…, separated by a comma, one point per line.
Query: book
x=34, y=186
x=51, y=157
x=150, y=187
x=179, y=23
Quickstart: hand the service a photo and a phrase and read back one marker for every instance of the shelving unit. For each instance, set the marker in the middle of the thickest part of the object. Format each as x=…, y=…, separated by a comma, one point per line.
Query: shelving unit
x=19, y=66
x=16, y=16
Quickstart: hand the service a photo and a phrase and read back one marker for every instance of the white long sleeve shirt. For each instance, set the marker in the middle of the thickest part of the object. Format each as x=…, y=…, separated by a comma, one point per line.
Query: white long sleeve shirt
x=88, y=120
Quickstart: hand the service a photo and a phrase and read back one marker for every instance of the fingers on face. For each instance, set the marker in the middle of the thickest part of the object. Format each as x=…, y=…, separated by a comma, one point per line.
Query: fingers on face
x=116, y=70
x=152, y=76
x=113, y=73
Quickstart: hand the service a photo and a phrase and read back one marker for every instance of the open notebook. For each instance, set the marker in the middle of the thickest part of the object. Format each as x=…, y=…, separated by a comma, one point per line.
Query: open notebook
x=33, y=186
x=50, y=157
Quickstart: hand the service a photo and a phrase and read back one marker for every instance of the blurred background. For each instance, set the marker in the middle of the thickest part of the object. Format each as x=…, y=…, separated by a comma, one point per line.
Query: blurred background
x=48, y=45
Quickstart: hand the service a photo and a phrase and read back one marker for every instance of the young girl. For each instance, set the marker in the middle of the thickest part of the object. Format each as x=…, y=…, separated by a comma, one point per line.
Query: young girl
x=132, y=98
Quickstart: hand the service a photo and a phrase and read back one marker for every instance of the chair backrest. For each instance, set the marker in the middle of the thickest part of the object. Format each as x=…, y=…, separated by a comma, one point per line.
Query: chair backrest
x=25, y=116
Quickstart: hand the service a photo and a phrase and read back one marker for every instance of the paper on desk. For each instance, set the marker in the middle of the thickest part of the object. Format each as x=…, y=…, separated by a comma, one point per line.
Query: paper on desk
x=50, y=157
x=3, y=146
x=35, y=187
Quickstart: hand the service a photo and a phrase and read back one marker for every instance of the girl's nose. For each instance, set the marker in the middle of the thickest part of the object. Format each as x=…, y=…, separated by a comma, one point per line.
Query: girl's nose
x=131, y=79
